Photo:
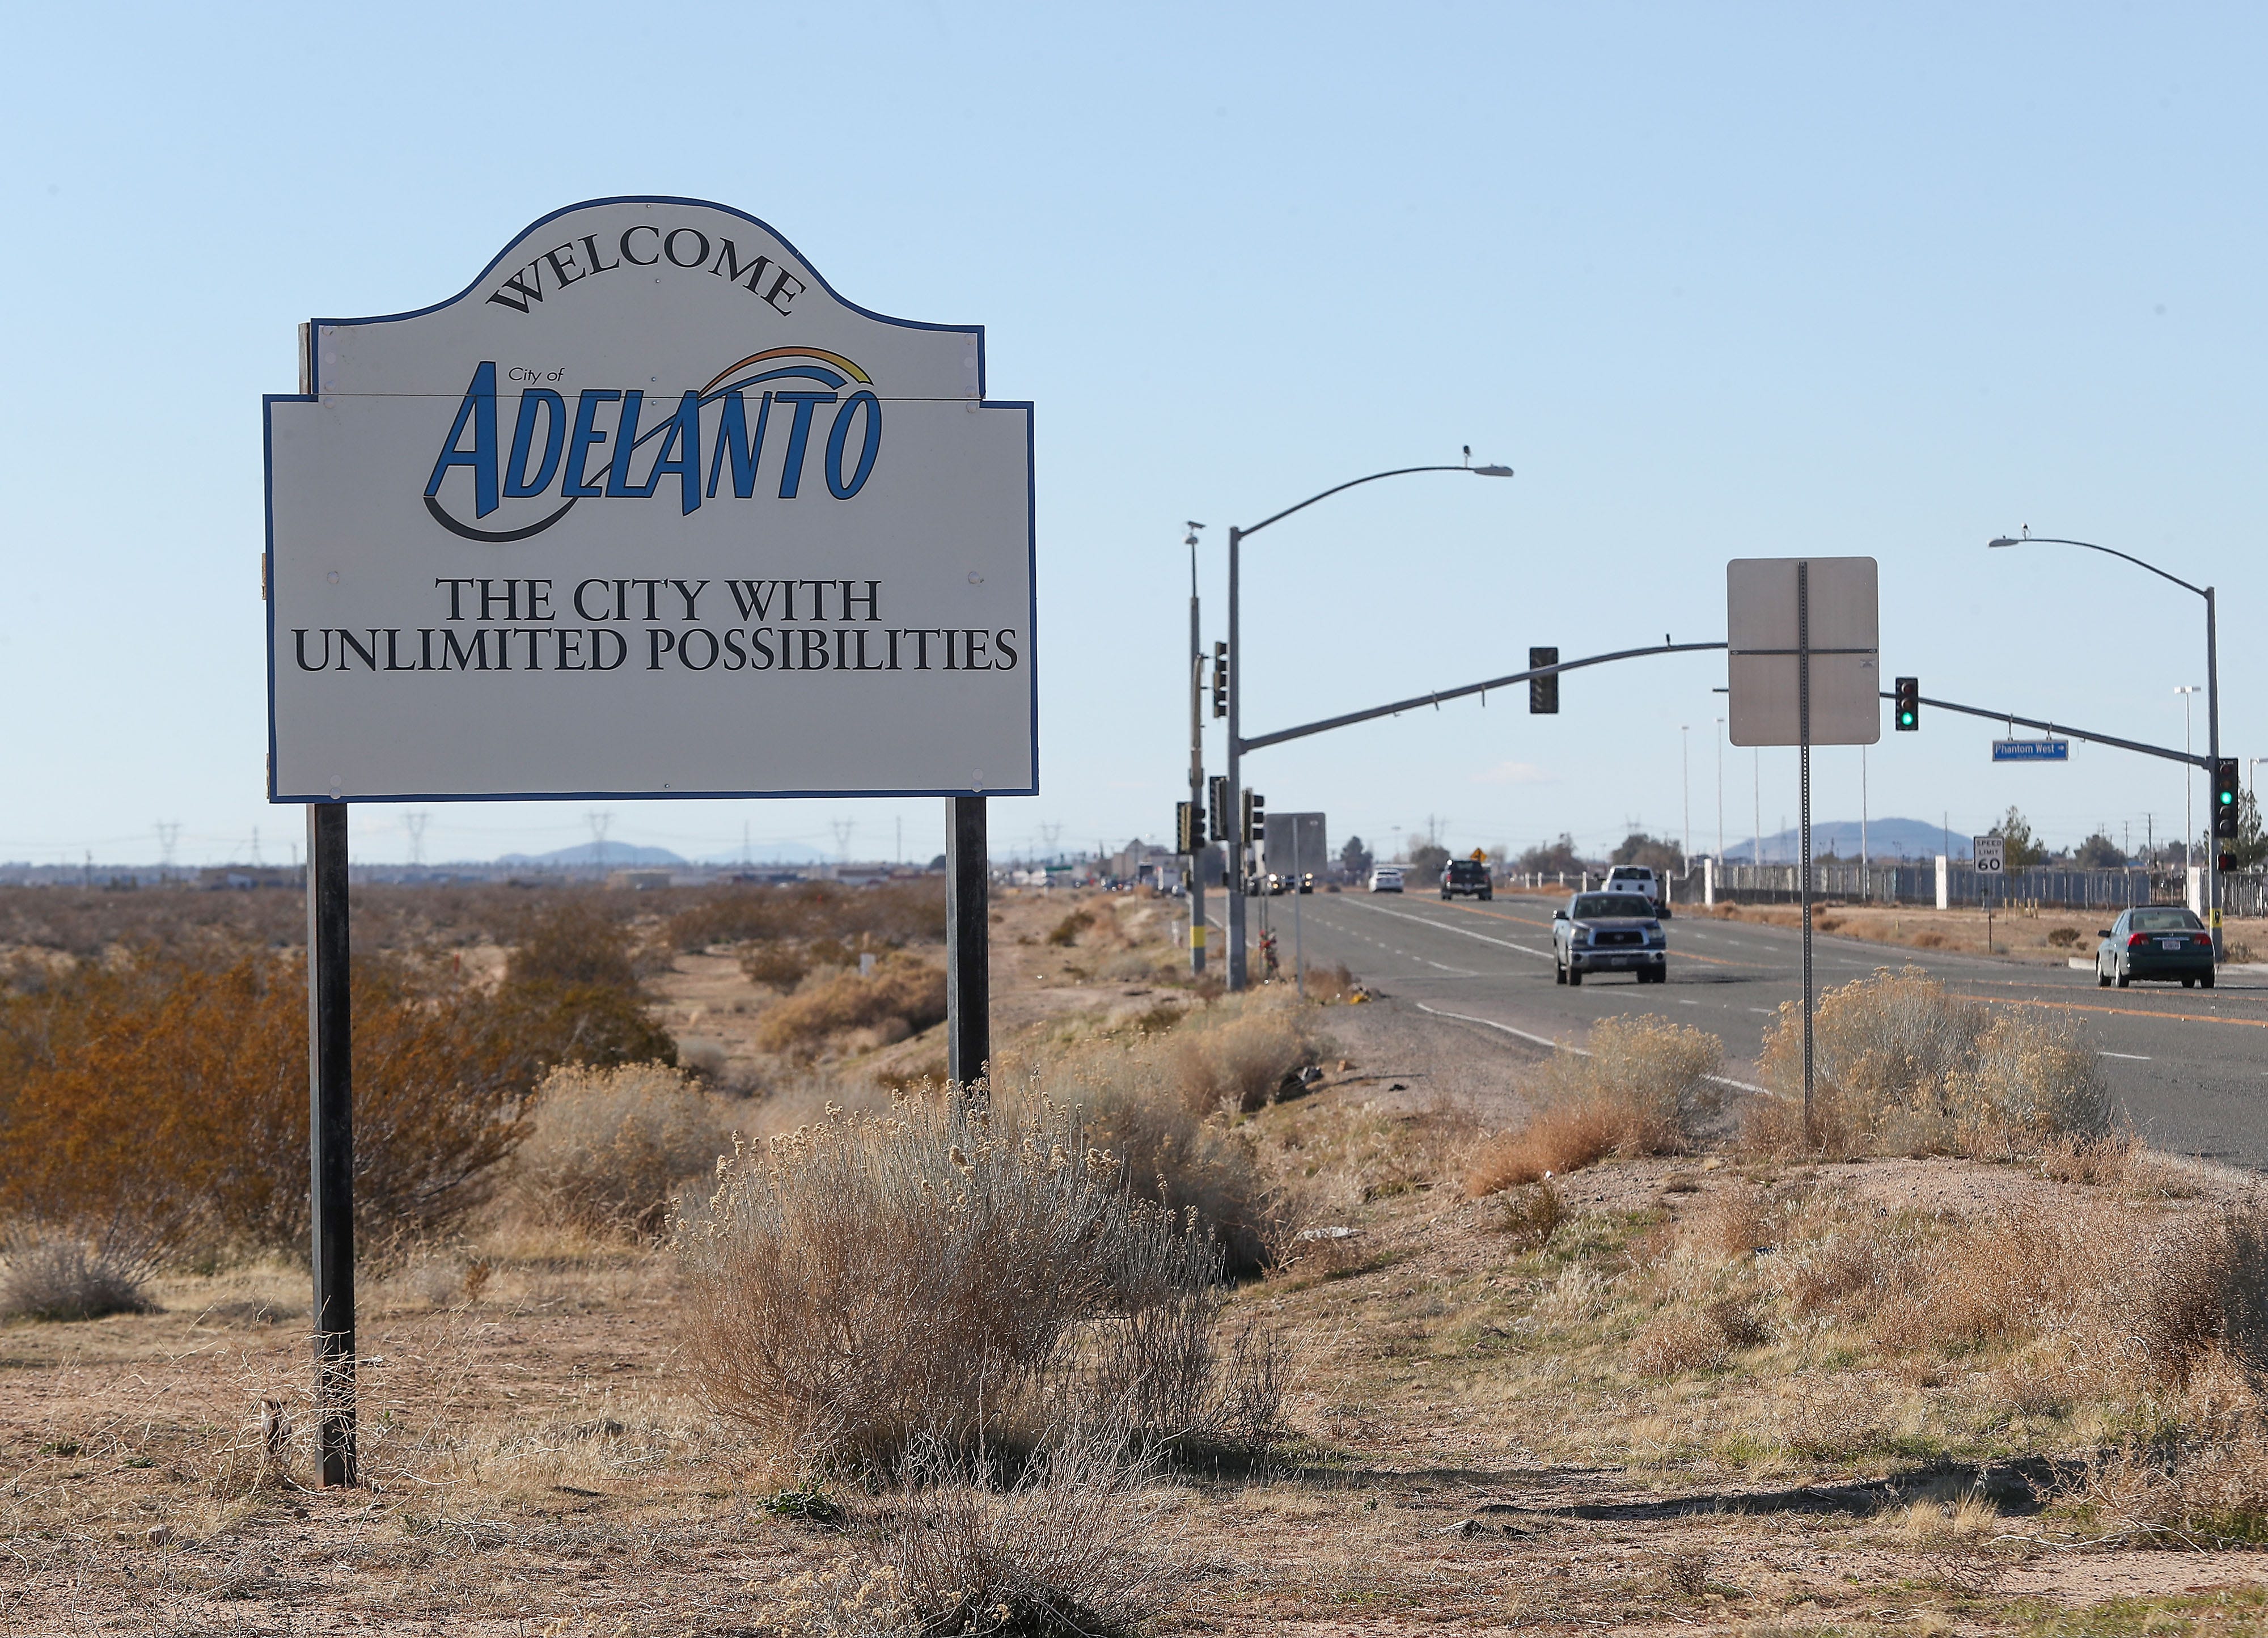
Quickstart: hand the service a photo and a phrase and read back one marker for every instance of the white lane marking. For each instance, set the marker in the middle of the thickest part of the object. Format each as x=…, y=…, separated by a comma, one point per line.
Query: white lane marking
x=2138, y=1057
x=1424, y=921
x=1767, y=1011
x=1688, y=1003
x=1580, y=1052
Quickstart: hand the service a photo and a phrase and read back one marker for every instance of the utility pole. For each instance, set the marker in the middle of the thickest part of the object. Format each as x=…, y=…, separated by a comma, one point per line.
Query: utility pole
x=1685, y=784
x=1720, y=792
x=1196, y=765
x=2188, y=790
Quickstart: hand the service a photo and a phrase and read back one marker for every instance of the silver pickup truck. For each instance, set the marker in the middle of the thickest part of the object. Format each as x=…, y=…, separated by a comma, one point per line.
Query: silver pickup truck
x=1609, y=932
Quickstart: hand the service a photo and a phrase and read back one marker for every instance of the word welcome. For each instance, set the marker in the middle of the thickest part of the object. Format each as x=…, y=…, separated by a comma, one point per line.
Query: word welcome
x=645, y=245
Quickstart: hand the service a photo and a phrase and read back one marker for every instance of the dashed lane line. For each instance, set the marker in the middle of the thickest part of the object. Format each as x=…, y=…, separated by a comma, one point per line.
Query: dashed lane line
x=1541, y=1041
x=2131, y=1012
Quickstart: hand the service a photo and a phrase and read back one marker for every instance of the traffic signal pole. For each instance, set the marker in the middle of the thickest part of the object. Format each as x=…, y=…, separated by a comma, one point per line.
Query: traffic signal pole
x=1235, y=847
x=2212, y=751
x=1197, y=769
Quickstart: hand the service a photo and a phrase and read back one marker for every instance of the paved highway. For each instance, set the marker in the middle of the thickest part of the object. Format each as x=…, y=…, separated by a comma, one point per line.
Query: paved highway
x=2190, y=1066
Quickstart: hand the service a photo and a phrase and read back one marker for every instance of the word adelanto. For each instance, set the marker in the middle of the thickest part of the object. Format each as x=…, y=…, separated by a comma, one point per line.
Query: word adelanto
x=529, y=637
x=554, y=452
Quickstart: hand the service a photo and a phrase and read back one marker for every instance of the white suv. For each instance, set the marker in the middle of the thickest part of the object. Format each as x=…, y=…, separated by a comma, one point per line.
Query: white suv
x=1386, y=879
x=1638, y=879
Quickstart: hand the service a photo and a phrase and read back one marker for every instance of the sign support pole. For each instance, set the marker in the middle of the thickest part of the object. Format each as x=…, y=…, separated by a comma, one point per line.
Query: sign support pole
x=331, y=1139
x=967, y=949
x=1803, y=733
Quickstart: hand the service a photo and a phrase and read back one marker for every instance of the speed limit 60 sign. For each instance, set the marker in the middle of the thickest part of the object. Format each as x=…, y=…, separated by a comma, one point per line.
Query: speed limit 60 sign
x=1991, y=854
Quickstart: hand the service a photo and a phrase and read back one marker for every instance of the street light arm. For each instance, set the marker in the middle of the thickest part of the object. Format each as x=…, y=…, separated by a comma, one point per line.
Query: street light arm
x=1398, y=473
x=2052, y=540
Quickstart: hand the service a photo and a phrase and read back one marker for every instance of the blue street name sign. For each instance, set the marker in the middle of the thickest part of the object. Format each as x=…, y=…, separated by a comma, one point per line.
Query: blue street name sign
x=2031, y=750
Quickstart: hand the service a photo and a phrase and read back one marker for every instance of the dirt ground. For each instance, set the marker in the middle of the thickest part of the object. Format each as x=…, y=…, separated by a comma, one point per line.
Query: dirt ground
x=538, y=1464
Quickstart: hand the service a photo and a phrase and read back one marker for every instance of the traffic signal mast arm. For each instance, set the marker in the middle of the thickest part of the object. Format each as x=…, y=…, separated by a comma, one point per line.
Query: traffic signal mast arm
x=1261, y=741
x=2205, y=762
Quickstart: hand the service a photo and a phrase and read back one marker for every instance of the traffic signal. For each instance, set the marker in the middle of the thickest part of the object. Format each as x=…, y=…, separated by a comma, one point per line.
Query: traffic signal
x=1909, y=704
x=1217, y=805
x=1189, y=829
x=2224, y=797
x=1543, y=692
x=2226, y=863
x=1220, y=680
x=1255, y=817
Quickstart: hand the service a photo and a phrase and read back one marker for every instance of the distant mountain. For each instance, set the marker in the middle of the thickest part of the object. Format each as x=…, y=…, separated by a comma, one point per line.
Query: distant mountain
x=1886, y=839
x=594, y=855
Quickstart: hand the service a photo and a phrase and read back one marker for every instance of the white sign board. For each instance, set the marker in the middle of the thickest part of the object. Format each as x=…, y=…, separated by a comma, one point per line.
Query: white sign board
x=1990, y=853
x=1762, y=634
x=648, y=510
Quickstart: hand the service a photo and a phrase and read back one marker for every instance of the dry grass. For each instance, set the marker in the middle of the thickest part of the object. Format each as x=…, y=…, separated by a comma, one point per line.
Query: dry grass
x=1643, y=1087
x=1904, y=1066
x=887, y=915
x=607, y=1149
x=56, y=1274
x=903, y=996
x=869, y=1287
x=1161, y=1095
x=1072, y=1546
x=1528, y=1217
x=1238, y=1059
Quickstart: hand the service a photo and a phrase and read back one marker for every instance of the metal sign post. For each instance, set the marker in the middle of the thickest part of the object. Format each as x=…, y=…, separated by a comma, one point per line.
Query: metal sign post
x=1803, y=669
x=1990, y=856
x=330, y=1133
x=702, y=527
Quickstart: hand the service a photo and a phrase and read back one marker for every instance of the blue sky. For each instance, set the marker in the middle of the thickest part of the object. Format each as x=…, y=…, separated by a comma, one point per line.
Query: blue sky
x=1718, y=282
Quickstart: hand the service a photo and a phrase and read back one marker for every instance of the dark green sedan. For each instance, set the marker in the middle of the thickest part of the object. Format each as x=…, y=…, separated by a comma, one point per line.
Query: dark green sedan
x=2157, y=941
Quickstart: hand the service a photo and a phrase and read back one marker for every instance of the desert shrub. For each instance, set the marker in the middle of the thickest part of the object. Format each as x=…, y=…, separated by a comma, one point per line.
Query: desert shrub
x=1066, y=931
x=1153, y=1099
x=168, y=1093
x=55, y=1274
x=1065, y=1547
x=1902, y=1063
x=1530, y=1216
x=1644, y=1087
x=2064, y=937
x=888, y=913
x=1672, y=1343
x=1237, y=1060
x=774, y=965
x=1333, y=982
x=903, y=995
x=605, y=1148
x=868, y=1286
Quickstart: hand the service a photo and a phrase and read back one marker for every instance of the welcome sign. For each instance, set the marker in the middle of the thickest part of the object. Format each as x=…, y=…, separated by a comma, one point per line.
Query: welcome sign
x=648, y=510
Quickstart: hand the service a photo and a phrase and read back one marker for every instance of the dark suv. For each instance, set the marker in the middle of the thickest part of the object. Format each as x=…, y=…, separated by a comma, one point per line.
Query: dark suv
x=1467, y=876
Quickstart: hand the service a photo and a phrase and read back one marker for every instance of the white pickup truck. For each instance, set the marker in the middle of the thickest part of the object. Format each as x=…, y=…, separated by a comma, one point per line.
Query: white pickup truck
x=1638, y=878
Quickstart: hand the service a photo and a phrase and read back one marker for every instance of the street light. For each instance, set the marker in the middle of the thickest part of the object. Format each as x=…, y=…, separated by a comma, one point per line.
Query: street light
x=2212, y=699
x=2189, y=784
x=1237, y=668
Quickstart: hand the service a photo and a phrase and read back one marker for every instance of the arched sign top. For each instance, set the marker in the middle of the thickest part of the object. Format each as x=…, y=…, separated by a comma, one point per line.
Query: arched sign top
x=648, y=508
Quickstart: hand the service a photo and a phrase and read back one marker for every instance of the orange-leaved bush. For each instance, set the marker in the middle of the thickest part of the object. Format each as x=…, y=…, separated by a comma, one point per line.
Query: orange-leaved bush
x=162, y=1098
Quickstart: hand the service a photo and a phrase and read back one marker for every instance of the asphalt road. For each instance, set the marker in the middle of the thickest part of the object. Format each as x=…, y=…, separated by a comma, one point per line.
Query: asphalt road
x=2190, y=1066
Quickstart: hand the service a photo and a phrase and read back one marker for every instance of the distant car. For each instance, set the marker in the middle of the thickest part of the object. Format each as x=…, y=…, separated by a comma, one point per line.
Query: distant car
x=1386, y=879
x=1609, y=932
x=1468, y=877
x=1638, y=878
x=2158, y=941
